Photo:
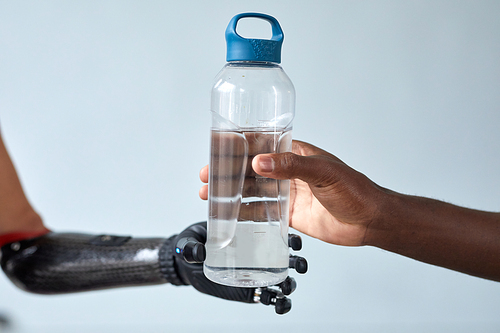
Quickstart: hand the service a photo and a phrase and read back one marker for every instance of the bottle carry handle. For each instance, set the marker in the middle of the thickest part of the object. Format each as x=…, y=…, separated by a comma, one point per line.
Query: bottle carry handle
x=276, y=28
x=247, y=49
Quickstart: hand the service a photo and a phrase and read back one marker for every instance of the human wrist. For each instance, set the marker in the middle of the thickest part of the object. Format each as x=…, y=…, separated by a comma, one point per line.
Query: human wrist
x=385, y=225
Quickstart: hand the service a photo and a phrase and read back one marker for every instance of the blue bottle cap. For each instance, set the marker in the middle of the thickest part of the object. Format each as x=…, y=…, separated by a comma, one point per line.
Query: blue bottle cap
x=243, y=49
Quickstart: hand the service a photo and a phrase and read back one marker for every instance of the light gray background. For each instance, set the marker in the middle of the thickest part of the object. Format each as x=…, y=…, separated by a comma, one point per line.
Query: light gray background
x=104, y=108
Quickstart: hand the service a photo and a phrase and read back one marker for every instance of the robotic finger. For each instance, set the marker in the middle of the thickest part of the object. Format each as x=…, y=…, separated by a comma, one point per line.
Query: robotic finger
x=270, y=296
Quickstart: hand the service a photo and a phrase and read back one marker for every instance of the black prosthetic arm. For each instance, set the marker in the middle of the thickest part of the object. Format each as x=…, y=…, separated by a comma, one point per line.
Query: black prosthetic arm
x=69, y=262
x=59, y=263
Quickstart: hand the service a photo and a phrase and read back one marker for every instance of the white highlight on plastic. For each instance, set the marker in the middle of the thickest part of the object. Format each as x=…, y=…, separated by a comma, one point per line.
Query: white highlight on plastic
x=146, y=255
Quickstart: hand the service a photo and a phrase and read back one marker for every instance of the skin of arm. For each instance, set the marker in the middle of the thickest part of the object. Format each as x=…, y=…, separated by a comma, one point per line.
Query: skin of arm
x=439, y=233
x=339, y=205
x=16, y=213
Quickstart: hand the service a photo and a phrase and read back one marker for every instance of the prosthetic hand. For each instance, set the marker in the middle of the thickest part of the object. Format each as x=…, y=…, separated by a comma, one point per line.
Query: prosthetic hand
x=57, y=263
x=190, y=252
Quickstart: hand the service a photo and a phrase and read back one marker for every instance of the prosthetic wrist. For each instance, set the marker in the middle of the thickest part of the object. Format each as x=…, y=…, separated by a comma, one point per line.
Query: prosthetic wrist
x=71, y=262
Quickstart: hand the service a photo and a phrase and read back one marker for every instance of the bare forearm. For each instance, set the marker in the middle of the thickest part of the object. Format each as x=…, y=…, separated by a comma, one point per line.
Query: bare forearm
x=16, y=214
x=439, y=233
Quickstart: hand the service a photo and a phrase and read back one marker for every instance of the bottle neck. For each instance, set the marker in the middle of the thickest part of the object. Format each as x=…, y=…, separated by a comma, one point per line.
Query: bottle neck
x=240, y=63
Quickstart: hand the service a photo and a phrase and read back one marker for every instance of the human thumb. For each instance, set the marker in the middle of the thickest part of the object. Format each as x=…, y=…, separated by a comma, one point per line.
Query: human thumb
x=311, y=169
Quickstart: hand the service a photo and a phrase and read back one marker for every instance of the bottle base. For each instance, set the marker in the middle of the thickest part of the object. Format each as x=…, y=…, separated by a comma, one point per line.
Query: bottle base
x=246, y=277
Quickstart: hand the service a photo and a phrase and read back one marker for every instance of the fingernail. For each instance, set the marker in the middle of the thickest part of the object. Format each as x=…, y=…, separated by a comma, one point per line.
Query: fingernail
x=266, y=164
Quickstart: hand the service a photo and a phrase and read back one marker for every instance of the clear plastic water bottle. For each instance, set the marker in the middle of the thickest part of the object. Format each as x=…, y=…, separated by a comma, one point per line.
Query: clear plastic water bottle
x=252, y=107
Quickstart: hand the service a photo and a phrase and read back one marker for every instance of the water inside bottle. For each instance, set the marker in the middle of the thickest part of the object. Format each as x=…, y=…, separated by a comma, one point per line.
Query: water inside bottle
x=247, y=241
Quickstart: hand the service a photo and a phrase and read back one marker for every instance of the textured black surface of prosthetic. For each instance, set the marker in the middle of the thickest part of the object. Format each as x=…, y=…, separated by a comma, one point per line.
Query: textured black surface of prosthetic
x=198, y=280
x=58, y=263
x=71, y=262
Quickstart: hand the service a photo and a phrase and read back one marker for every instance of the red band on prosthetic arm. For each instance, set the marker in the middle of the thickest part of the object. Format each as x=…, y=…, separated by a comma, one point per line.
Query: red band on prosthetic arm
x=19, y=236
